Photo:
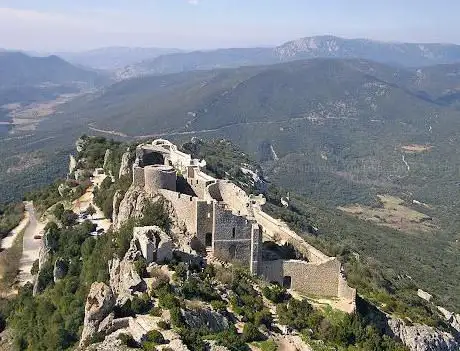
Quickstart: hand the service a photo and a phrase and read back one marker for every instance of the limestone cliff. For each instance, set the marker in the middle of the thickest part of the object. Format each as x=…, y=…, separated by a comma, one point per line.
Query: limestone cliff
x=124, y=279
x=132, y=206
x=420, y=337
x=99, y=305
x=126, y=164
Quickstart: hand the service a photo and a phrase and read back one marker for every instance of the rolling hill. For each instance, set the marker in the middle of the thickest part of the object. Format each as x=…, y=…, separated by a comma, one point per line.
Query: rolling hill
x=18, y=69
x=399, y=54
x=112, y=58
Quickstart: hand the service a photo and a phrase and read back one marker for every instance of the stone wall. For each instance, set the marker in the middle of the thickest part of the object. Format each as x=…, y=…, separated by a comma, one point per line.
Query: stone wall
x=185, y=208
x=256, y=249
x=309, y=278
x=159, y=177
x=204, y=219
x=235, y=197
x=199, y=181
x=278, y=230
x=232, y=236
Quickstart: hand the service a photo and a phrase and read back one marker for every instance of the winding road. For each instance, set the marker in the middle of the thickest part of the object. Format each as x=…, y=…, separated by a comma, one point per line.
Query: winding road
x=31, y=246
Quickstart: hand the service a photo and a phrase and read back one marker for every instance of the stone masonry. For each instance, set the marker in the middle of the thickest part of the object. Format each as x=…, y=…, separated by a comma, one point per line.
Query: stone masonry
x=230, y=224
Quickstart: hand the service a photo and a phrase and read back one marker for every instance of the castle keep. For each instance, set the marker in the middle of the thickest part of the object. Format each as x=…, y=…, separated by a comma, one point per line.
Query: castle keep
x=231, y=226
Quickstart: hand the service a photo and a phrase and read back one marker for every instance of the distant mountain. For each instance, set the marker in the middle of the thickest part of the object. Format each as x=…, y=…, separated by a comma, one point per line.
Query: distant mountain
x=399, y=54
x=112, y=58
x=18, y=69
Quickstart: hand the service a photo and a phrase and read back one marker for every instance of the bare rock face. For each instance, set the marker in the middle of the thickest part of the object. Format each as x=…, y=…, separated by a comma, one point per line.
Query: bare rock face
x=452, y=318
x=132, y=206
x=126, y=164
x=205, y=318
x=107, y=156
x=60, y=269
x=72, y=164
x=420, y=337
x=99, y=305
x=80, y=144
x=117, y=197
x=124, y=279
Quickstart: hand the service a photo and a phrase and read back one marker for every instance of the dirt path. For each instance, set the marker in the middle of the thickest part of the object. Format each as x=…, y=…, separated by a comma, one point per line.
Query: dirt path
x=31, y=246
x=8, y=241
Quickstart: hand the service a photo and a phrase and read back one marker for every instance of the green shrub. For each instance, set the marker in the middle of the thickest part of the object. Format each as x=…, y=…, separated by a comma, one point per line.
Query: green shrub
x=251, y=333
x=156, y=311
x=164, y=325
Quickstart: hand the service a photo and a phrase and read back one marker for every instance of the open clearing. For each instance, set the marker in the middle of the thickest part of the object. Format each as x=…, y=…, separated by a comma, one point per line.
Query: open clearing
x=416, y=148
x=394, y=214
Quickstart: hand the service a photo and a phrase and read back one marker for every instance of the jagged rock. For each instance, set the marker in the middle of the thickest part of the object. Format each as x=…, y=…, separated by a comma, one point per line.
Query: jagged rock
x=60, y=269
x=132, y=206
x=107, y=157
x=126, y=164
x=44, y=252
x=124, y=279
x=452, y=318
x=205, y=318
x=420, y=337
x=117, y=197
x=80, y=144
x=63, y=189
x=72, y=164
x=99, y=305
x=154, y=243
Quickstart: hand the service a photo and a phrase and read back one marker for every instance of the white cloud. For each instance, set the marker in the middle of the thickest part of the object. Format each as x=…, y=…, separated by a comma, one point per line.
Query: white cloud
x=193, y=2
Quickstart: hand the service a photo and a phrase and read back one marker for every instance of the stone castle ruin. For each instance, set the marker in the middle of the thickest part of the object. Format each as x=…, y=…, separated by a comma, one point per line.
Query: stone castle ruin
x=231, y=226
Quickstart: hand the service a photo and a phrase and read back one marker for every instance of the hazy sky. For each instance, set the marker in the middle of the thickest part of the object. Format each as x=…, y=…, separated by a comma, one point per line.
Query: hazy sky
x=53, y=25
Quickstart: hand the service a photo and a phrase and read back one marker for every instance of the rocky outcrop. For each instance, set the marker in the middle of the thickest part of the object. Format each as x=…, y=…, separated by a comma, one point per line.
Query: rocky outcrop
x=63, y=189
x=117, y=197
x=451, y=318
x=81, y=143
x=132, y=206
x=126, y=164
x=60, y=269
x=72, y=164
x=107, y=157
x=80, y=174
x=204, y=318
x=124, y=279
x=420, y=337
x=99, y=305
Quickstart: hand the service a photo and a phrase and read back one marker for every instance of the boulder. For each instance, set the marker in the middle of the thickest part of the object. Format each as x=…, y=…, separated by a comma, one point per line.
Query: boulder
x=60, y=269
x=99, y=305
x=124, y=279
x=126, y=164
x=420, y=337
x=205, y=318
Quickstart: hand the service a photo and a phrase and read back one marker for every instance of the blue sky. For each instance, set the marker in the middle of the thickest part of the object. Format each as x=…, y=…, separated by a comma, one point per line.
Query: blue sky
x=53, y=25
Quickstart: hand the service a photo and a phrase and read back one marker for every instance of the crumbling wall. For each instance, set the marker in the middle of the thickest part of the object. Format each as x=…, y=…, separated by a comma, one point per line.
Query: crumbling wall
x=309, y=278
x=235, y=197
x=232, y=236
x=278, y=230
x=184, y=207
x=159, y=177
x=204, y=219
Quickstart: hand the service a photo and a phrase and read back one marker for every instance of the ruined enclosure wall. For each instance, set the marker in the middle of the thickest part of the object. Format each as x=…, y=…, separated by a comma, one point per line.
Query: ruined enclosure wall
x=278, y=230
x=345, y=291
x=309, y=278
x=159, y=177
x=184, y=207
x=232, y=236
x=199, y=186
x=204, y=219
x=256, y=249
x=235, y=197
